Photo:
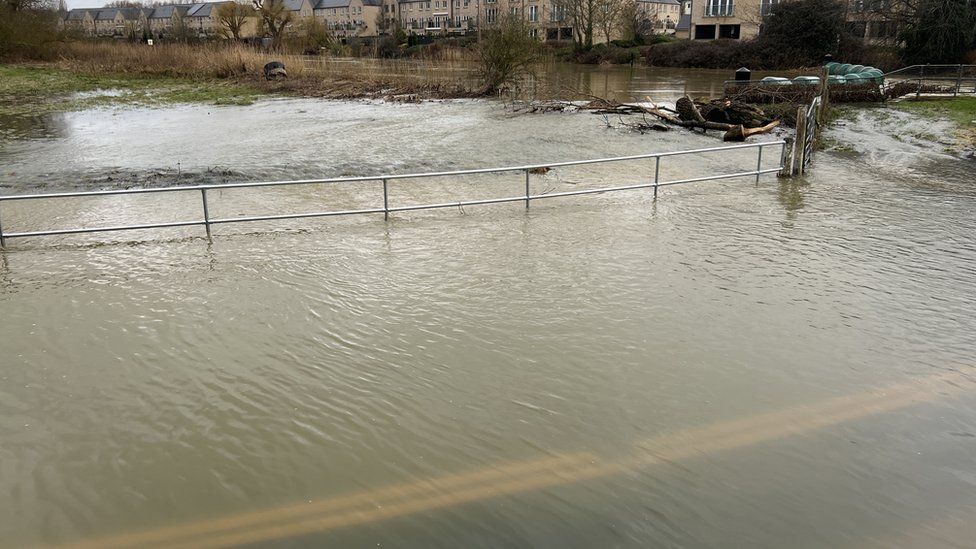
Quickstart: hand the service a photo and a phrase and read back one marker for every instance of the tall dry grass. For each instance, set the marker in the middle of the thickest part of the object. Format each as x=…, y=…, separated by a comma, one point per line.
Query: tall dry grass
x=312, y=75
x=175, y=60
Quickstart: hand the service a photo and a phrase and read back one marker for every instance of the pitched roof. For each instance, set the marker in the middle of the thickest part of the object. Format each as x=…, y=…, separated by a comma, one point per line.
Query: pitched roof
x=668, y=2
x=78, y=14
x=205, y=9
x=684, y=22
x=131, y=14
x=328, y=4
x=106, y=15
x=293, y=5
x=166, y=12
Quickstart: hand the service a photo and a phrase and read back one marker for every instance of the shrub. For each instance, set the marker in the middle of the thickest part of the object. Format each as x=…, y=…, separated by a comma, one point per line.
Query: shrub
x=31, y=32
x=507, y=52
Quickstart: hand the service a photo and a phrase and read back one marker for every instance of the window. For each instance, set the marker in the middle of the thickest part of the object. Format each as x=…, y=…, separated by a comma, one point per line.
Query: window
x=491, y=14
x=558, y=13
x=533, y=13
x=729, y=32
x=704, y=32
x=718, y=8
x=513, y=10
x=766, y=7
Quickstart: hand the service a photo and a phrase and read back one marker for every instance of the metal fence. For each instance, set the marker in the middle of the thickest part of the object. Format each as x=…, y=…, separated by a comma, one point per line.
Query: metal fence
x=386, y=208
x=945, y=79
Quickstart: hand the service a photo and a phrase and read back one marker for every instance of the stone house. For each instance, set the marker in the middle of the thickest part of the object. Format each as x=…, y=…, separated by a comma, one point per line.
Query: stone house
x=81, y=21
x=662, y=15
x=119, y=21
x=168, y=20
x=347, y=18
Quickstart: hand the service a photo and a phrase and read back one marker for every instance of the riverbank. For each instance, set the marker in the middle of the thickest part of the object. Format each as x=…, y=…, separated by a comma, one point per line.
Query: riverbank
x=37, y=89
x=86, y=75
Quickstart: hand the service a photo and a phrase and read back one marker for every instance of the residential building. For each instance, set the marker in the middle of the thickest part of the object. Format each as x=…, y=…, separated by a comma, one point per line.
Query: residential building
x=662, y=15
x=301, y=8
x=347, y=18
x=872, y=21
x=201, y=19
x=728, y=19
x=81, y=21
x=119, y=21
x=168, y=20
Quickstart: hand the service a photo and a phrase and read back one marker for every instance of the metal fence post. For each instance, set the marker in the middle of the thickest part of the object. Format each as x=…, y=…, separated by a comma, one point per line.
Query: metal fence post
x=657, y=174
x=759, y=164
x=527, y=195
x=206, y=213
x=782, y=159
x=958, y=83
x=921, y=76
x=386, y=201
x=3, y=243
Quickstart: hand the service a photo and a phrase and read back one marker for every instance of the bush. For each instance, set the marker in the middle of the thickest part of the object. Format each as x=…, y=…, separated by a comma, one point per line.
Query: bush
x=28, y=33
x=706, y=54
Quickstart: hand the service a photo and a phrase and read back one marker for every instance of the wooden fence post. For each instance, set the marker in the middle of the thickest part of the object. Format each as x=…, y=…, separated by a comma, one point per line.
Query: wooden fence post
x=800, y=147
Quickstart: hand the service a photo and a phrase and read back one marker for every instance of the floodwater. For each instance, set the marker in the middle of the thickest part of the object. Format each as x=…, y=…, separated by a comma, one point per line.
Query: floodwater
x=782, y=364
x=564, y=80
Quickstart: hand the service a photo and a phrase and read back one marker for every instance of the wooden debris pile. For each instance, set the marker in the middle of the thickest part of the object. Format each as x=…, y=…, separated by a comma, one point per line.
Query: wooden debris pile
x=738, y=120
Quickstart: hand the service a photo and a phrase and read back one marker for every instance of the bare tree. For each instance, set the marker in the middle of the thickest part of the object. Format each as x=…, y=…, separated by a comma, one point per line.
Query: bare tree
x=634, y=22
x=583, y=14
x=609, y=16
x=231, y=18
x=273, y=18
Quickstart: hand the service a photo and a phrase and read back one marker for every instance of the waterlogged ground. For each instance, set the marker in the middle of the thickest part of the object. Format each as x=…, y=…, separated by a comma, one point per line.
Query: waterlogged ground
x=788, y=363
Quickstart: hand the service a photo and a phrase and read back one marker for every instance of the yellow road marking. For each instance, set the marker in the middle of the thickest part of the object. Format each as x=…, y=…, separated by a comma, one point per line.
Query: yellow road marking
x=427, y=495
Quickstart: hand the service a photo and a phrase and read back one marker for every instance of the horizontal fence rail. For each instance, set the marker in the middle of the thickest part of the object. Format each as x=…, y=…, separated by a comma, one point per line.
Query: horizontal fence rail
x=386, y=209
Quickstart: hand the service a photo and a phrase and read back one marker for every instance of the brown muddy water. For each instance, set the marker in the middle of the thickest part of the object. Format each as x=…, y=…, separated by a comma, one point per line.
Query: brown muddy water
x=782, y=364
x=549, y=79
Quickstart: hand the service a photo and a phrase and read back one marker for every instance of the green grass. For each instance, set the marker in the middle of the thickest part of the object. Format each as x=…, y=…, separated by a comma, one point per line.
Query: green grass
x=31, y=91
x=961, y=110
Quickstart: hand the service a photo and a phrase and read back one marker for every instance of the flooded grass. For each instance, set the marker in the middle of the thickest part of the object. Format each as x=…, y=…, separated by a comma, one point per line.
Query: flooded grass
x=37, y=90
x=961, y=111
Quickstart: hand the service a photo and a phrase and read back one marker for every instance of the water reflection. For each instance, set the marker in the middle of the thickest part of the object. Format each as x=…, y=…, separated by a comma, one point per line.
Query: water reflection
x=790, y=195
x=31, y=126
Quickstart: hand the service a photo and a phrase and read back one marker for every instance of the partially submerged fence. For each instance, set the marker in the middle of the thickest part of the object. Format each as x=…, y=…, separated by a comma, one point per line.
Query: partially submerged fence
x=809, y=120
x=386, y=208
x=941, y=79
x=917, y=79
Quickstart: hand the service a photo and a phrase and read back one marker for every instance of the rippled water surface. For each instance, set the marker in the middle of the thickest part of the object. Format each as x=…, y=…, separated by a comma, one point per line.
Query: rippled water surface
x=788, y=364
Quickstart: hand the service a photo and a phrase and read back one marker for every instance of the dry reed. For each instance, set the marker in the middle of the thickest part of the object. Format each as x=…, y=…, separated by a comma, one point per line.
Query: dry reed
x=441, y=75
